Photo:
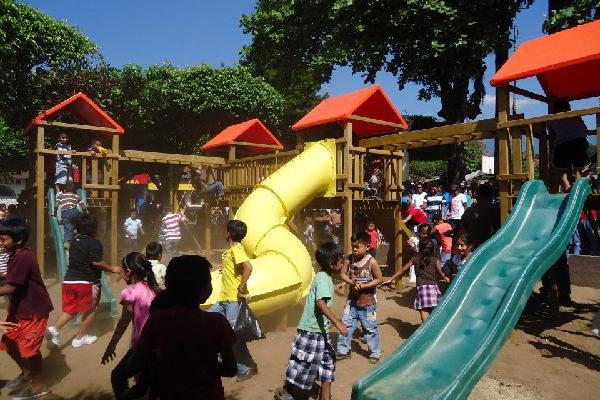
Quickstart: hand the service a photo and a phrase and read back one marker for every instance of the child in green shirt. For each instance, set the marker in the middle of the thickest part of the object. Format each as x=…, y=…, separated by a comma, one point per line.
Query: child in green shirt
x=312, y=355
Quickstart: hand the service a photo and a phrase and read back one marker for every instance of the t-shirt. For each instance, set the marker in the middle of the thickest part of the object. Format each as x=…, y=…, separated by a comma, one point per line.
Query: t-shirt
x=232, y=272
x=446, y=241
x=160, y=271
x=426, y=274
x=67, y=201
x=434, y=201
x=374, y=234
x=447, y=197
x=458, y=206
x=132, y=227
x=140, y=296
x=418, y=216
x=170, y=229
x=84, y=251
x=418, y=199
x=568, y=130
x=30, y=297
x=187, y=344
x=4, y=257
x=312, y=319
x=63, y=161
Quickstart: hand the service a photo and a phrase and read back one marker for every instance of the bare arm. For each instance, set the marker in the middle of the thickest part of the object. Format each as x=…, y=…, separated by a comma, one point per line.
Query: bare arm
x=246, y=272
x=405, y=220
x=7, y=289
x=438, y=267
x=377, y=276
x=322, y=306
x=398, y=274
x=106, y=267
x=344, y=274
x=122, y=325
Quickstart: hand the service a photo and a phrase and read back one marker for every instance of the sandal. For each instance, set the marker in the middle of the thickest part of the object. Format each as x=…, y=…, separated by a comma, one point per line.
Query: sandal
x=281, y=395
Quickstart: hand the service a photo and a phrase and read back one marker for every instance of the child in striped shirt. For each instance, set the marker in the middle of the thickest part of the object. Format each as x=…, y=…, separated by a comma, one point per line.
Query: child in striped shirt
x=66, y=202
x=170, y=232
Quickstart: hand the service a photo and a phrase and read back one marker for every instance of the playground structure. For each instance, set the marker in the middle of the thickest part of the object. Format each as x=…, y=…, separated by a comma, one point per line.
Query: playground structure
x=359, y=125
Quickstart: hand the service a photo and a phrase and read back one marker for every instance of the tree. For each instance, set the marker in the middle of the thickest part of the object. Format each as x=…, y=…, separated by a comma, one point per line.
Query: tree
x=567, y=13
x=440, y=45
x=12, y=146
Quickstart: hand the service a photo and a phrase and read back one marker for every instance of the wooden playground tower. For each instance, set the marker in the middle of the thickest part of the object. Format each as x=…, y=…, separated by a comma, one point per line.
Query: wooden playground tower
x=365, y=123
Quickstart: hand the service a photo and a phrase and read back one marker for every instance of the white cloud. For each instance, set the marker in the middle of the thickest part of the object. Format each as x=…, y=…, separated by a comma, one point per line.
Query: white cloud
x=490, y=101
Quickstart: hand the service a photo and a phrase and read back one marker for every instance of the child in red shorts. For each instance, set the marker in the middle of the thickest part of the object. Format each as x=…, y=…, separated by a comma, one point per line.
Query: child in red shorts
x=81, y=284
x=29, y=307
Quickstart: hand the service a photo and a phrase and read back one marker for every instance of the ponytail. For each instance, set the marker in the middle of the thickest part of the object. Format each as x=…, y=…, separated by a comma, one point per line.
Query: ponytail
x=141, y=269
x=427, y=252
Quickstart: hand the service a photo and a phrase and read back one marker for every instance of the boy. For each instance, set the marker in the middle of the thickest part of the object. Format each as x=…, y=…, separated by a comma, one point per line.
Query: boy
x=170, y=232
x=29, y=308
x=67, y=201
x=457, y=207
x=154, y=255
x=312, y=355
x=81, y=285
x=412, y=216
x=441, y=229
x=133, y=227
x=64, y=163
x=374, y=235
x=363, y=275
x=236, y=271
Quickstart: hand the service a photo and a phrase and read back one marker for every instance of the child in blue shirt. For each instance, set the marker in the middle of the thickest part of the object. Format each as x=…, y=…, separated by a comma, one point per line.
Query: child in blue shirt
x=312, y=355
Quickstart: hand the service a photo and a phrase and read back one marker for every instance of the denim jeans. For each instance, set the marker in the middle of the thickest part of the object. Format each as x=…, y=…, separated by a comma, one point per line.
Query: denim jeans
x=215, y=188
x=67, y=218
x=367, y=316
x=169, y=250
x=243, y=358
x=587, y=238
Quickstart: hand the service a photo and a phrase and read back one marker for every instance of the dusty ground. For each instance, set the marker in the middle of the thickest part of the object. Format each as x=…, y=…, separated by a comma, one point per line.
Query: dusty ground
x=545, y=358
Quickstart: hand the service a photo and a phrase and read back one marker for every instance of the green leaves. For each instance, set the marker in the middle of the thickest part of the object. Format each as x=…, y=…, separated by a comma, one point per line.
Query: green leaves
x=566, y=14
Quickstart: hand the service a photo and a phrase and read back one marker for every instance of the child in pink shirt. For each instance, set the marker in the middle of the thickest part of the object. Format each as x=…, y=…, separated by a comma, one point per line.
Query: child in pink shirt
x=136, y=299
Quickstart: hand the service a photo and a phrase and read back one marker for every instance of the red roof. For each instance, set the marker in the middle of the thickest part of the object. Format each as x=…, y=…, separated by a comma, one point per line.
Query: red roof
x=370, y=102
x=252, y=131
x=84, y=110
x=566, y=63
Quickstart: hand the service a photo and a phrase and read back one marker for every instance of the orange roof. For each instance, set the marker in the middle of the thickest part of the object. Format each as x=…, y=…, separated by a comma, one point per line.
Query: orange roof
x=370, y=102
x=566, y=63
x=252, y=131
x=84, y=110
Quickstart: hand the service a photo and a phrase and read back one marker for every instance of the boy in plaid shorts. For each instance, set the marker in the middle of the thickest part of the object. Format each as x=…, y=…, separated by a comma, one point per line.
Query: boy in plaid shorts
x=312, y=355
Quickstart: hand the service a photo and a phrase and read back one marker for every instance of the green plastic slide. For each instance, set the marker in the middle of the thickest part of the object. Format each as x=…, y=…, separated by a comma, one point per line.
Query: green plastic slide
x=453, y=349
x=108, y=303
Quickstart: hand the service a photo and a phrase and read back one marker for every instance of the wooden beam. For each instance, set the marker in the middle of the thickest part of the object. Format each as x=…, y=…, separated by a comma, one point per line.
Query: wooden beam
x=100, y=186
x=548, y=118
x=378, y=122
x=85, y=154
x=40, y=215
x=448, y=140
x=268, y=146
x=114, y=204
x=65, y=125
x=168, y=158
x=502, y=105
x=529, y=154
x=527, y=93
x=347, y=223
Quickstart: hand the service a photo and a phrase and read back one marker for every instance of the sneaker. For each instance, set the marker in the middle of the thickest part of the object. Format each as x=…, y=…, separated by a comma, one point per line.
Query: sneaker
x=85, y=339
x=373, y=360
x=52, y=336
x=244, y=377
x=31, y=394
x=18, y=383
x=340, y=356
x=596, y=331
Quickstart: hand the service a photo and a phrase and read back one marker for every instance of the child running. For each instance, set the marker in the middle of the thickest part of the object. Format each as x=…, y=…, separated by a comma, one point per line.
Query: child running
x=136, y=299
x=312, y=355
x=29, y=308
x=363, y=276
x=427, y=265
x=192, y=347
x=236, y=272
x=440, y=230
x=154, y=255
x=81, y=285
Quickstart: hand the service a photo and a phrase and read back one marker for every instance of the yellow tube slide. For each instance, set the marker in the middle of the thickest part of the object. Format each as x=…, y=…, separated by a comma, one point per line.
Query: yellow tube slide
x=281, y=266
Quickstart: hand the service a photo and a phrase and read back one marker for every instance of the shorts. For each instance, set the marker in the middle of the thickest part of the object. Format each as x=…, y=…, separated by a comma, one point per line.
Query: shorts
x=572, y=153
x=27, y=336
x=428, y=296
x=312, y=358
x=79, y=298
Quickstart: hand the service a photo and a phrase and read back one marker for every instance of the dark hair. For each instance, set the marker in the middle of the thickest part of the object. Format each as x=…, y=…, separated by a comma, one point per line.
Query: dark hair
x=328, y=253
x=153, y=250
x=484, y=192
x=436, y=217
x=361, y=237
x=69, y=187
x=188, y=280
x=15, y=228
x=237, y=230
x=86, y=224
x=427, y=253
x=466, y=238
x=63, y=133
x=141, y=269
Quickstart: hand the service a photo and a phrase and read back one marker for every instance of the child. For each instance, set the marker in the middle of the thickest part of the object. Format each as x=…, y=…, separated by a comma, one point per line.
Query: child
x=64, y=164
x=154, y=255
x=81, y=284
x=133, y=227
x=426, y=264
x=412, y=216
x=170, y=232
x=29, y=308
x=67, y=202
x=312, y=354
x=136, y=299
x=457, y=207
x=363, y=276
x=440, y=229
x=236, y=272
x=464, y=247
x=193, y=348
x=374, y=235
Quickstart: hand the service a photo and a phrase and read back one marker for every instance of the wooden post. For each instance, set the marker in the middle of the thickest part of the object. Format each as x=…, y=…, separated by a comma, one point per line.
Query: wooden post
x=114, y=204
x=94, y=175
x=347, y=191
x=207, y=232
x=529, y=142
x=39, y=194
x=398, y=237
x=502, y=105
x=231, y=152
x=172, y=190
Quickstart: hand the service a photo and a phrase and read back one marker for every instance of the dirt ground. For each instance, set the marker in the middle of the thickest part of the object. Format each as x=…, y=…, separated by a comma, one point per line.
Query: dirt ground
x=545, y=357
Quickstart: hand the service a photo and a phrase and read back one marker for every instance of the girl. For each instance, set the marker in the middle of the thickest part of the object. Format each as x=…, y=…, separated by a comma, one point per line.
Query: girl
x=136, y=299
x=464, y=248
x=427, y=265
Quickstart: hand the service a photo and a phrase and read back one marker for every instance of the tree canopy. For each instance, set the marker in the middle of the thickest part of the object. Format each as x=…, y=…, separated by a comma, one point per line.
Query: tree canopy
x=567, y=13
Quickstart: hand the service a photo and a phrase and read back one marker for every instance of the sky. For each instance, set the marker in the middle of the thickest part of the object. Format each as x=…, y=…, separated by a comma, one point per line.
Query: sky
x=191, y=32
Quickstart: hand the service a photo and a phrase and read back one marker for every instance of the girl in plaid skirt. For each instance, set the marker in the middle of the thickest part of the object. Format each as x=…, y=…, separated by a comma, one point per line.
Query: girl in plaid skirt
x=427, y=268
